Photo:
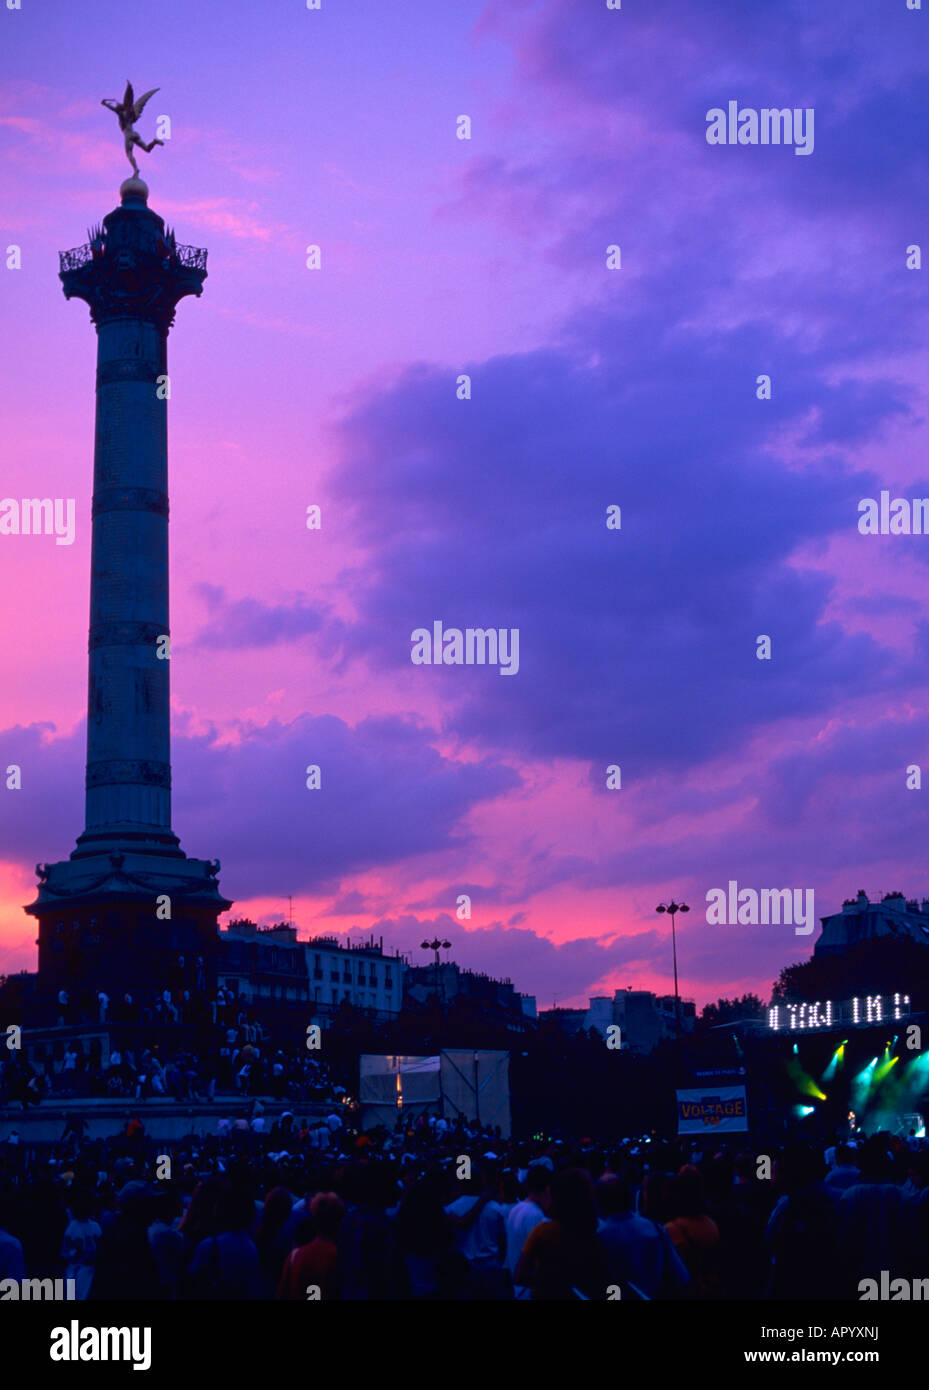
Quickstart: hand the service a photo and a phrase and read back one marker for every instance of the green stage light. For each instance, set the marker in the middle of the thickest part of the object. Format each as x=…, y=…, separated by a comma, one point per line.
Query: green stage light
x=836, y=1061
x=803, y=1081
x=914, y=1082
x=861, y=1085
x=886, y=1066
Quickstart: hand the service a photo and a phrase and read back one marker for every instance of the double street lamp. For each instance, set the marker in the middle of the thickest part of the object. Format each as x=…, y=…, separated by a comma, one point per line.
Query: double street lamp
x=673, y=908
x=437, y=945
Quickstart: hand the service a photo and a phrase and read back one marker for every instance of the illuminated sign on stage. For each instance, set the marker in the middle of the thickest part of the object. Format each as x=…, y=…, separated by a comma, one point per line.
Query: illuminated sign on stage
x=722, y=1110
x=863, y=1010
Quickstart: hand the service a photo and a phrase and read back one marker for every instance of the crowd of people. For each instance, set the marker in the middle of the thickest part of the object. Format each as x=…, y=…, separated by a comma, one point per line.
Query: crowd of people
x=439, y=1211
x=182, y=997
x=236, y=1061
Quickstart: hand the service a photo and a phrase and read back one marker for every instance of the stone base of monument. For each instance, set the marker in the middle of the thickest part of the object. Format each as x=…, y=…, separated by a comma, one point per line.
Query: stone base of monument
x=121, y=922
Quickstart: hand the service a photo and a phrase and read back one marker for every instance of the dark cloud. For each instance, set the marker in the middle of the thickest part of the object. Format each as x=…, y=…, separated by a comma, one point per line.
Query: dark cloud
x=386, y=796
x=636, y=646
x=252, y=622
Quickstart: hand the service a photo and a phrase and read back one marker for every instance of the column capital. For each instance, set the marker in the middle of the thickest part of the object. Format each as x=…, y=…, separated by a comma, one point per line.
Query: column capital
x=133, y=267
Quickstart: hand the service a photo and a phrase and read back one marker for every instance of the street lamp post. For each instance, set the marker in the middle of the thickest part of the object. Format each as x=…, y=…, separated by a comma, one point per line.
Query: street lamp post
x=437, y=945
x=673, y=908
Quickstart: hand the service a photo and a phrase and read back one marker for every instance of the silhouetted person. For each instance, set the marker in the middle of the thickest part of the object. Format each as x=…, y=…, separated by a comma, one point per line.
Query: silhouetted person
x=370, y=1264
x=694, y=1232
x=426, y=1237
x=873, y=1217
x=313, y=1266
x=803, y=1229
x=225, y=1264
x=126, y=1267
x=271, y=1240
x=639, y=1252
x=563, y=1258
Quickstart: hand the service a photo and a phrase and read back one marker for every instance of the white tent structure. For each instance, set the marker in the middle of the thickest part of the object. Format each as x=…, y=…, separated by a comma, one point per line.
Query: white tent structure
x=476, y=1085
x=459, y=1083
x=390, y=1086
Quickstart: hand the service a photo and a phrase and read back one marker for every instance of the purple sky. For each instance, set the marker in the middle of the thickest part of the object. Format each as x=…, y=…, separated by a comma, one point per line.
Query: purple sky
x=590, y=387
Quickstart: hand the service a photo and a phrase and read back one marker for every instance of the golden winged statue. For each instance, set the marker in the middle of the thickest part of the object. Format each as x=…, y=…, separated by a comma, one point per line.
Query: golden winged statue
x=129, y=110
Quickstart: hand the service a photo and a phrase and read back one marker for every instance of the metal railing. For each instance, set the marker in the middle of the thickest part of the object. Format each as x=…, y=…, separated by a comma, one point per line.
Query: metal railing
x=189, y=257
x=74, y=259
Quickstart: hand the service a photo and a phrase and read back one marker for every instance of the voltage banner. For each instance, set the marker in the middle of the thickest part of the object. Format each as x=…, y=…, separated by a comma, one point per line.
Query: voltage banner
x=722, y=1109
